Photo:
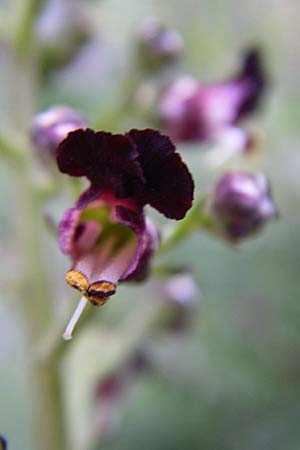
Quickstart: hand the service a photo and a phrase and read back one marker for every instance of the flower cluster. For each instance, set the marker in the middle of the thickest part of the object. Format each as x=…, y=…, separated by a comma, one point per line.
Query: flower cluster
x=106, y=232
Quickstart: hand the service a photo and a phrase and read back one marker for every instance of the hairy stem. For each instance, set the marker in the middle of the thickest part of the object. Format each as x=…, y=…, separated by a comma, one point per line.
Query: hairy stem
x=36, y=308
x=34, y=297
x=48, y=406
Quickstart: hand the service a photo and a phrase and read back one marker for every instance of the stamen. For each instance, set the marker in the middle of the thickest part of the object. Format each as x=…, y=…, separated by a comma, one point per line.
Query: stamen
x=74, y=319
x=118, y=264
x=77, y=280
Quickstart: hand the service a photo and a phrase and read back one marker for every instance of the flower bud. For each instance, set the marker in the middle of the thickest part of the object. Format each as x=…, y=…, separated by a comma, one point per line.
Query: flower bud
x=112, y=391
x=62, y=27
x=180, y=293
x=109, y=387
x=181, y=289
x=242, y=204
x=3, y=443
x=138, y=362
x=51, y=126
x=158, y=44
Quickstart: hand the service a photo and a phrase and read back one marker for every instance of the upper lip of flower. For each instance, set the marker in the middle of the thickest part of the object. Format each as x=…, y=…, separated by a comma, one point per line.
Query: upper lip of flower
x=142, y=165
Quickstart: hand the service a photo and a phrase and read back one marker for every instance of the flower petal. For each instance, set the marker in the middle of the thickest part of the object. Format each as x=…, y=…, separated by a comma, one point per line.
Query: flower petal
x=108, y=161
x=253, y=75
x=168, y=184
x=134, y=220
x=150, y=244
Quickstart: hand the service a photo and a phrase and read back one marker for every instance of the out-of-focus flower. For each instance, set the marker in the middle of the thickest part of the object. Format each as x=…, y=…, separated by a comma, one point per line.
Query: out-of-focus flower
x=190, y=111
x=180, y=291
x=106, y=232
x=109, y=396
x=51, y=126
x=242, y=204
x=112, y=390
x=60, y=30
x=233, y=141
x=158, y=44
x=3, y=443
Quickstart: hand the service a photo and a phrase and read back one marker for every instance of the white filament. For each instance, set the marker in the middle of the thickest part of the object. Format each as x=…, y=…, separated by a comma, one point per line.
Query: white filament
x=74, y=319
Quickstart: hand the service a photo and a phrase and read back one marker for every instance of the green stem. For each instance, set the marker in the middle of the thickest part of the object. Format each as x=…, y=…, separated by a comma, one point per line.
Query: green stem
x=26, y=16
x=196, y=219
x=36, y=307
x=48, y=406
x=34, y=299
x=11, y=153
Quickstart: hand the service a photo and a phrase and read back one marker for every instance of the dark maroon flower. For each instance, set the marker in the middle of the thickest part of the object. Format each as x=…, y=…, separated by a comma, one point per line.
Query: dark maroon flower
x=158, y=44
x=191, y=111
x=242, y=204
x=3, y=443
x=51, y=126
x=106, y=232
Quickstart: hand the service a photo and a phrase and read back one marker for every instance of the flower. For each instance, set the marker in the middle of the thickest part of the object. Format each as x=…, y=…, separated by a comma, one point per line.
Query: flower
x=106, y=232
x=158, y=44
x=112, y=390
x=181, y=289
x=51, y=126
x=61, y=28
x=190, y=111
x=242, y=204
x=3, y=443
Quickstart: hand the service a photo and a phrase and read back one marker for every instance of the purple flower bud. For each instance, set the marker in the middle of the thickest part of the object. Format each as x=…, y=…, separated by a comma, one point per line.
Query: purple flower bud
x=3, y=443
x=109, y=396
x=180, y=291
x=109, y=388
x=60, y=29
x=242, y=204
x=51, y=126
x=158, y=44
x=138, y=362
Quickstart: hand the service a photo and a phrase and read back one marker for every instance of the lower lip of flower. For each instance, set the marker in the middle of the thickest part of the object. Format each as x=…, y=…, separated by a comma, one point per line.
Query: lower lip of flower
x=103, y=283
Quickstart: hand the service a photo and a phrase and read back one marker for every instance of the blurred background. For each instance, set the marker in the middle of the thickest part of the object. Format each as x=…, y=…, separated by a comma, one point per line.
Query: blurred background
x=231, y=380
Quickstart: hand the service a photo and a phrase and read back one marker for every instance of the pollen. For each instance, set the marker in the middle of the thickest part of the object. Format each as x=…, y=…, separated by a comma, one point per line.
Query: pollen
x=96, y=300
x=77, y=280
x=99, y=292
